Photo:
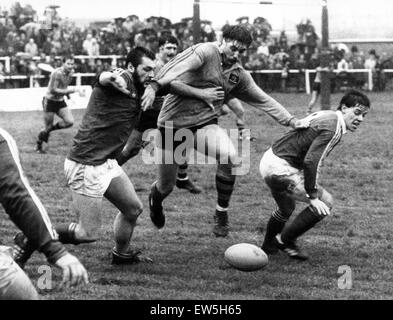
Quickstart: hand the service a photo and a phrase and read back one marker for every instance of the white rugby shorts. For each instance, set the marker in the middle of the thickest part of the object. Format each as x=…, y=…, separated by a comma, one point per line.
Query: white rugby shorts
x=271, y=165
x=92, y=181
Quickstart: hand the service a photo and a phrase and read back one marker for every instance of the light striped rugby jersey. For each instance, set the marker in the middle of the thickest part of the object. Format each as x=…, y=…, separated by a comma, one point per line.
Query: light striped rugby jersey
x=307, y=148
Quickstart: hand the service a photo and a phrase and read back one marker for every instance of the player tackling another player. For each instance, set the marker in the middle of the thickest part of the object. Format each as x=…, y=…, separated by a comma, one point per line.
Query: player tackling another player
x=212, y=65
x=168, y=46
x=290, y=168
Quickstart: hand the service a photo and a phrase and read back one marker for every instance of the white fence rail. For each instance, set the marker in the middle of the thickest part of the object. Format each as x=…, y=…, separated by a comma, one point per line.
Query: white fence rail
x=307, y=73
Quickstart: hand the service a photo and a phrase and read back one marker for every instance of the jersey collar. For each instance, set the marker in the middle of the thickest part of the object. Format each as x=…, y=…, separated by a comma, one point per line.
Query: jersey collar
x=341, y=121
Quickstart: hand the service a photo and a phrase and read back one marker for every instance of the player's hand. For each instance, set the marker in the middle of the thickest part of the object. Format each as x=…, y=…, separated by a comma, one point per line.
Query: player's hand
x=148, y=97
x=74, y=273
x=320, y=207
x=213, y=94
x=300, y=123
x=118, y=82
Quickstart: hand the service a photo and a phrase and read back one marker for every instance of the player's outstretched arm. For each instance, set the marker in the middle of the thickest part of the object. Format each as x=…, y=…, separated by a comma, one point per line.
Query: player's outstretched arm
x=114, y=79
x=237, y=108
x=249, y=92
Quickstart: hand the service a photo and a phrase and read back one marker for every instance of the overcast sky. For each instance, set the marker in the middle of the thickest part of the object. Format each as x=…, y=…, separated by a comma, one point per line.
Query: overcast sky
x=349, y=18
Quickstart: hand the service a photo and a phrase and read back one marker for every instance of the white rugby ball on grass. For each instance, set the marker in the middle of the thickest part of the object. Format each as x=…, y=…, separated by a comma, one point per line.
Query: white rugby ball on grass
x=246, y=257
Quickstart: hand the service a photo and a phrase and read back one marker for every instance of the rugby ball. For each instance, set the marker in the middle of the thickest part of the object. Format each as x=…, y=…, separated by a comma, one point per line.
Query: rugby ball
x=246, y=257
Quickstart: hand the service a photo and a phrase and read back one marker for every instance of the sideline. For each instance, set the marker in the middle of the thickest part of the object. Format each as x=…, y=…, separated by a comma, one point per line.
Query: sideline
x=30, y=99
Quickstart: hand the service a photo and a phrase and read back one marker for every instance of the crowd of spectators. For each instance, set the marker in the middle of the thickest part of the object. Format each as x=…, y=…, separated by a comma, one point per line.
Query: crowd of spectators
x=28, y=41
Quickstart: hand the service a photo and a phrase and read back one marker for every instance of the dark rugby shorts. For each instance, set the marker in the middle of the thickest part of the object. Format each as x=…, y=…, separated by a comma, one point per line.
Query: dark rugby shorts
x=52, y=106
x=172, y=133
x=148, y=120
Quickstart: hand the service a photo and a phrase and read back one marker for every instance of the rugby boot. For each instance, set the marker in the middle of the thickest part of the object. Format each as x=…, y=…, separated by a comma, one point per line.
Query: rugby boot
x=291, y=249
x=157, y=215
x=66, y=234
x=131, y=257
x=188, y=185
x=22, y=249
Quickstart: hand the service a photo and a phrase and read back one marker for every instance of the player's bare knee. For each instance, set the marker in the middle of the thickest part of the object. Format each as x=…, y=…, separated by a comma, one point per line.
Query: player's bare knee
x=134, y=212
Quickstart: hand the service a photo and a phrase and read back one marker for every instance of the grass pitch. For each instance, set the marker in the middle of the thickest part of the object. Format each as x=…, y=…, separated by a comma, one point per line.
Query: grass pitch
x=188, y=259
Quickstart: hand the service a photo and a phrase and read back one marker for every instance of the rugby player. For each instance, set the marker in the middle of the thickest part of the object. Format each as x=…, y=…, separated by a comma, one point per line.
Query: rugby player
x=54, y=104
x=91, y=170
x=168, y=46
x=29, y=215
x=290, y=168
x=213, y=65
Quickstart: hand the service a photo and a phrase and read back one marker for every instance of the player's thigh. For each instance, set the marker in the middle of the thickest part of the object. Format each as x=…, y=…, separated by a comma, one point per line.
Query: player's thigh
x=66, y=114
x=121, y=193
x=89, y=211
x=214, y=141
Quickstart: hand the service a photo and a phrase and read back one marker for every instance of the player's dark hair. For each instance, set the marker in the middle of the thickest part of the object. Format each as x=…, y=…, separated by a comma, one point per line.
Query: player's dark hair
x=353, y=97
x=167, y=39
x=135, y=56
x=239, y=33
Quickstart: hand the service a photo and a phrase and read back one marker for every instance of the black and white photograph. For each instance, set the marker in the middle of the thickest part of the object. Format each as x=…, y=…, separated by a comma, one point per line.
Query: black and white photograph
x=197, y=156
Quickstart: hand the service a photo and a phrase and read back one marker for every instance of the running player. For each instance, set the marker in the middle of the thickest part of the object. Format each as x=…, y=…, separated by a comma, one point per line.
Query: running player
x=204, y=65
x=290, y=168
x=29, y=215
x=54, y=103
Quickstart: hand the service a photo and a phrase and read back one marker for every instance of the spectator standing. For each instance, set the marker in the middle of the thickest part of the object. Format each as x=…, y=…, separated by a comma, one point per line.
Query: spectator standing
x=87, y=43
x=31, y=48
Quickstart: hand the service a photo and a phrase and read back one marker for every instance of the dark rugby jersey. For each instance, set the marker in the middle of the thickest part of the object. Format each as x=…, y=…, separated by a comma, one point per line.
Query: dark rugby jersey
x=185, y=112
x=107, y=123
x=306, y=149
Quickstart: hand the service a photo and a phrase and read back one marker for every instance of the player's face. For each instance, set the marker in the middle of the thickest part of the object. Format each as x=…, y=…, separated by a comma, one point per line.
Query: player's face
x=69, y=65
x=145, y=71
x=168, y=51
x=354, y=116
x=232, y=49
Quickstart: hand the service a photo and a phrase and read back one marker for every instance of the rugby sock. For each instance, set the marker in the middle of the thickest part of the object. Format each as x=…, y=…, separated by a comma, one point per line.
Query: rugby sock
x=66, y=234
x=224, y=185
x=182, y=172
x=275, y=225
x=156, y=195
x=240, y=125
x=302, y=223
